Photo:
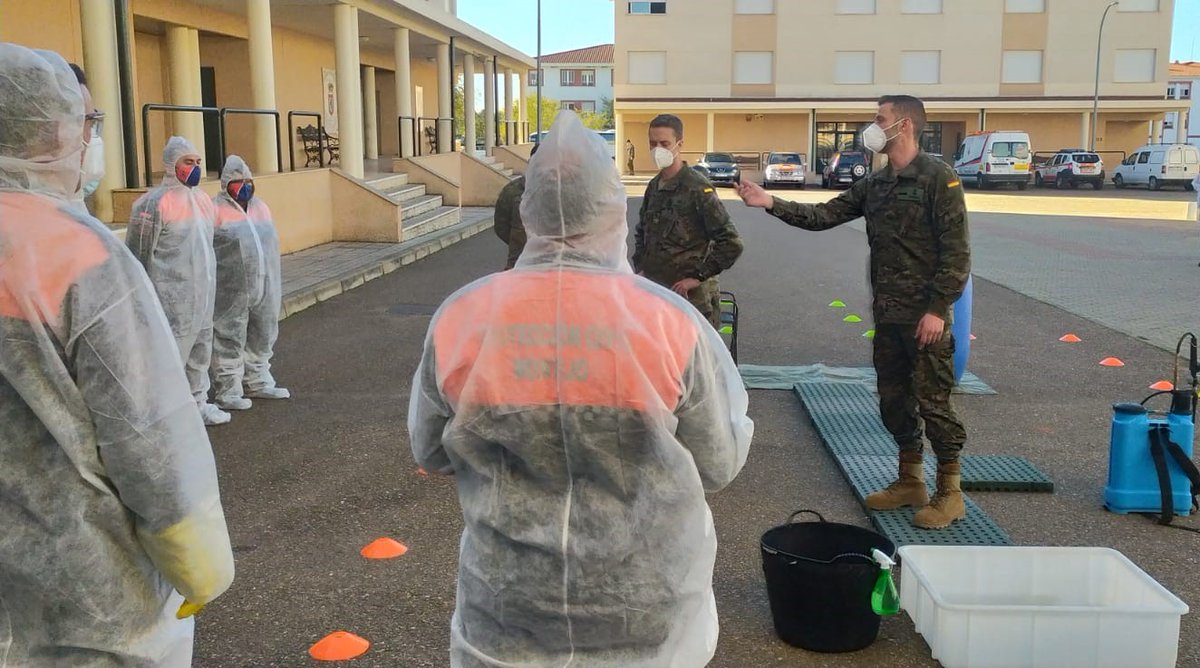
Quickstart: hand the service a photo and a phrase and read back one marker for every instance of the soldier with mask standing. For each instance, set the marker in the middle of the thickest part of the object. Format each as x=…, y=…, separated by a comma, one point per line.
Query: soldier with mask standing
x=920, y=260
x=684, y=238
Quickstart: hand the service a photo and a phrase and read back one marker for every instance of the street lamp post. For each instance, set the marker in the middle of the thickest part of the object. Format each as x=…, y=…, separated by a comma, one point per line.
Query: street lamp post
x=1096, y=92
x=538, y=136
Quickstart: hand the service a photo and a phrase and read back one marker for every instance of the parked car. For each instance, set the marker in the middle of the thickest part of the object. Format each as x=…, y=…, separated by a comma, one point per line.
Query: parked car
x=719, y=168
x=784, y=168
x=1069, y=168
x=989, y=158
x=1158, y=165
x=845, y=169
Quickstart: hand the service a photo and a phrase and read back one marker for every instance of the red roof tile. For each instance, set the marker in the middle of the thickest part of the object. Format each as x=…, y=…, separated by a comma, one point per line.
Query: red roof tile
x=1188, y=69
x=601, y=53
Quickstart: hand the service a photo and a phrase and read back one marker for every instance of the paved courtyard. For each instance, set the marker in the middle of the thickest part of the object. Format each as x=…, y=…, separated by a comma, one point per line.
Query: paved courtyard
x=306, y=483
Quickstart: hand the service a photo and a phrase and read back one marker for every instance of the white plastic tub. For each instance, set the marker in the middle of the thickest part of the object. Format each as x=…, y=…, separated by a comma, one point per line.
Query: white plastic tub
x=1038, y=607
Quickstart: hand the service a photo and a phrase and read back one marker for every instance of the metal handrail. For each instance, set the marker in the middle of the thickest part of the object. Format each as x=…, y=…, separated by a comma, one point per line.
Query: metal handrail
x=147, y=108
x=436, y=120
x=252, y=112
x=320, y=136
x=416, y=139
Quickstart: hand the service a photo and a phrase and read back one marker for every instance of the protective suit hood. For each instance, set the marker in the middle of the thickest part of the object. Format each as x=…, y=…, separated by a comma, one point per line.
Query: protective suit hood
x=177, y=149
x=235, y=169
x=574, y=207
x=41, y=123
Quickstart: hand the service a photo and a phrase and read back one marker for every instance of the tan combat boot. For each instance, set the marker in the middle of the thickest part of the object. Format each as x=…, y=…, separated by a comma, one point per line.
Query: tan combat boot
x=908, y=489
x=947, y=505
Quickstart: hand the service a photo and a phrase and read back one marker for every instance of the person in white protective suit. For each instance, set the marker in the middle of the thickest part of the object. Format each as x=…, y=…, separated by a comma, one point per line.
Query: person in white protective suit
x=111, y=528
x=584, y=412
x=171, y=233
x=246, y=318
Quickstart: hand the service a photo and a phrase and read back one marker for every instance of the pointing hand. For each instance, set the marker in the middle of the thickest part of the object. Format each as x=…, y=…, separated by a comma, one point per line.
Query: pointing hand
x=753, y=195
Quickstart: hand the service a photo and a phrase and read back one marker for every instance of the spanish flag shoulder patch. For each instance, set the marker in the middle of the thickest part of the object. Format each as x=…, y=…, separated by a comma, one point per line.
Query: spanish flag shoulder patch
x=953, y=183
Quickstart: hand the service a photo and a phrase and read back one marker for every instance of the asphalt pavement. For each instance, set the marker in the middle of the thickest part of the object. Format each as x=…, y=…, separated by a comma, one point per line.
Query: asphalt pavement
x=307, y=482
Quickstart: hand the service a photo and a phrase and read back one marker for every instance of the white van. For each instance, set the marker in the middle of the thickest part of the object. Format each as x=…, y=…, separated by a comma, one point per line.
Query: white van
x=989, y=158
x=1157, y=165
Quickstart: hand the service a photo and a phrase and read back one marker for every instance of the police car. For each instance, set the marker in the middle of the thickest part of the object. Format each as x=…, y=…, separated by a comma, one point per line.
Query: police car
x=1070, y=167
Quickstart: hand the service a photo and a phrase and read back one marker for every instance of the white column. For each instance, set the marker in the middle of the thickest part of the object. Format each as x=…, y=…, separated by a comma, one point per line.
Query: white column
x=709, y=141
x=510, y=132
x=349, y=86
x=1085, y=129
x=100, y=63
x=445, y=99
x=469, y=137
x=197, y=96
x=262, y=83
x=370, y=110
x=522, y=109
x=619, y=127
x=404, y=90
x=489, y=104
x=178, y=65
x=185, y=85
x=812, y=140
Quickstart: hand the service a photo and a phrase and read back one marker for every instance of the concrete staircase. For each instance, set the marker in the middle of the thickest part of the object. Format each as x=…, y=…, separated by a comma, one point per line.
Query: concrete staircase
x=420, y=212
x=491, y=161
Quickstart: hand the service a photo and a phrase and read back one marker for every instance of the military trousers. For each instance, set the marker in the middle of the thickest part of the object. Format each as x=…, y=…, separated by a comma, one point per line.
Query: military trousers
x=914, y=390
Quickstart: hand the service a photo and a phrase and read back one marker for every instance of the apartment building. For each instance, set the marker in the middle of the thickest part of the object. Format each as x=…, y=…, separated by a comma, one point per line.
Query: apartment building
x=1183, y=85
x=580, y=79
x=804, y=75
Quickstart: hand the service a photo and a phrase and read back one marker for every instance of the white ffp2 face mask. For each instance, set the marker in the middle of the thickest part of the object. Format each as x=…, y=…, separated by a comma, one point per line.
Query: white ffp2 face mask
x=875, y=138
x=663, y=158
x=93, y=165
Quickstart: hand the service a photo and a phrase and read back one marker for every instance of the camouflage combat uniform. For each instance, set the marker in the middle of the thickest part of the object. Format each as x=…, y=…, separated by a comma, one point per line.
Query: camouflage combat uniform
x=630, y=152
x=684, y=231
x=920, y=261
x=508, y=225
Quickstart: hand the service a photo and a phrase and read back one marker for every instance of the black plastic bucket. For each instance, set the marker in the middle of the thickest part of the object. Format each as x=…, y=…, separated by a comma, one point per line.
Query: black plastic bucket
x=819, y=580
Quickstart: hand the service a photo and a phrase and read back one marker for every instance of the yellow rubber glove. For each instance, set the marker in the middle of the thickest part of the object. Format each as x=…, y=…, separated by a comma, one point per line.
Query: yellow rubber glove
x=188, y=609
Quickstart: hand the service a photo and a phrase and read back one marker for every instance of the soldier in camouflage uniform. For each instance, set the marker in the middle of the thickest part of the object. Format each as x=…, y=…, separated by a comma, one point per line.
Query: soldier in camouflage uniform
x=920, y=260
x=507, y=221
x=684, y=238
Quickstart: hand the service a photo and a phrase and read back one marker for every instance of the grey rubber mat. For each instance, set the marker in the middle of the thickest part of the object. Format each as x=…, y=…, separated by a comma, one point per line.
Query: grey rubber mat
x=847, y=418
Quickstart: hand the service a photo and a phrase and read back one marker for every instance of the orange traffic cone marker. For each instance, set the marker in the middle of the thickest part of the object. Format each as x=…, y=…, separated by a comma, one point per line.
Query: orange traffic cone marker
x=384, y=548
x=1070, y=338
x=339, y=646
x=1111, y=361
x=1163, y=386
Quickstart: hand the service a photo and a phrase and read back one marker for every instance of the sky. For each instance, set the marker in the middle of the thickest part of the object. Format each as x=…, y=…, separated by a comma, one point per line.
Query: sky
x=574, y=24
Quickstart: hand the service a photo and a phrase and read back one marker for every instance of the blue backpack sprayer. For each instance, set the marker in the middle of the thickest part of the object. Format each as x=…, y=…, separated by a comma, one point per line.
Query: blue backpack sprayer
x=1150, y=467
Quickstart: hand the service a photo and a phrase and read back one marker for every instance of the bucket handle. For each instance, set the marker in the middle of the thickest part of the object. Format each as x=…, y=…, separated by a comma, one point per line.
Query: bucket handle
x=792, y=517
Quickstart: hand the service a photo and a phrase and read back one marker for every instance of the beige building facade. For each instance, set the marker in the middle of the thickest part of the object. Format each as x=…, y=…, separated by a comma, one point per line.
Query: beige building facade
x=391, y=65
x=752, y=76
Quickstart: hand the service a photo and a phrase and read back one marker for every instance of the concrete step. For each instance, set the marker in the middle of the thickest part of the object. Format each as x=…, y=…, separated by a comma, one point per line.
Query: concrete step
x=431, y=221
x=389, y=182
x=419, y=205
x=488, y=160
x=300, y=295
x=406, y=193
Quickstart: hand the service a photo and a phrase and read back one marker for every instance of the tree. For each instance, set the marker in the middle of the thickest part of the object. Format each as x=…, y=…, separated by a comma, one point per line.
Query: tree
x=607, y=111
x=549, y=111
